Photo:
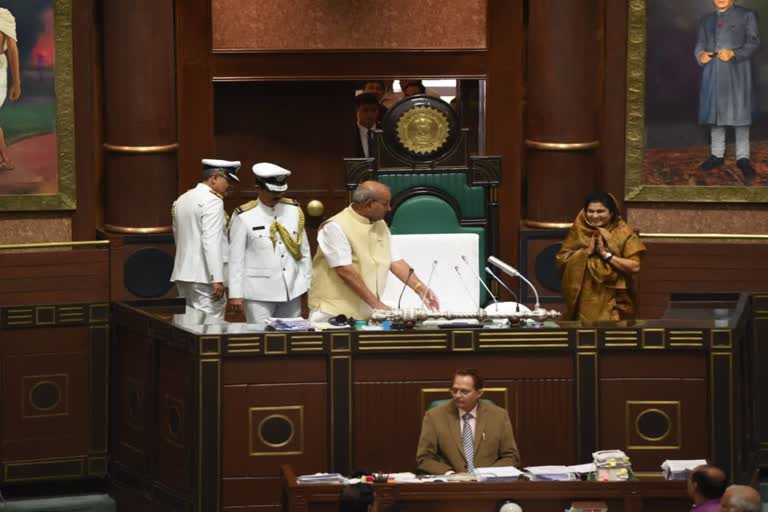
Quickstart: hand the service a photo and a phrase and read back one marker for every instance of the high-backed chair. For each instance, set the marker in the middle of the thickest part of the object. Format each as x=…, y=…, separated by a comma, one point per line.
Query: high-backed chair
x=437, y=187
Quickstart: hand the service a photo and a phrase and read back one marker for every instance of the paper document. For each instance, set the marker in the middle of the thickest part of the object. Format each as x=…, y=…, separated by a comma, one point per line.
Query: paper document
x=497, y=473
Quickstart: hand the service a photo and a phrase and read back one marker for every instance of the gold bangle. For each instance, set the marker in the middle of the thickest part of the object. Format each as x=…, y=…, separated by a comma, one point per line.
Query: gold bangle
x=417, y=286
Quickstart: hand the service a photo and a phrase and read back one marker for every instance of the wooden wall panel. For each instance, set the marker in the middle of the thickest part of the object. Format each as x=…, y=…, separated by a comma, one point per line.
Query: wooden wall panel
x=296, y=25
x=698, y=267
x=54, y=277
x=33, y=360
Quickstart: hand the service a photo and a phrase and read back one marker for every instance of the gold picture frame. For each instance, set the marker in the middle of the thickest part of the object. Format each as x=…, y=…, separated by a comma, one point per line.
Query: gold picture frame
x=64, y=198
x=635, y=189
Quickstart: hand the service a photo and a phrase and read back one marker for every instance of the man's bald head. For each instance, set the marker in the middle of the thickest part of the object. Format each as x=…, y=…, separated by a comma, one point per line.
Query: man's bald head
x=740, y=498
x=706, y=482
x=371, y=200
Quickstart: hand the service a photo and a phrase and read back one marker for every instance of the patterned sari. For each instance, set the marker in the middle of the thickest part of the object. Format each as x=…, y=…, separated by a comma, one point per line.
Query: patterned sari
x=593, y=289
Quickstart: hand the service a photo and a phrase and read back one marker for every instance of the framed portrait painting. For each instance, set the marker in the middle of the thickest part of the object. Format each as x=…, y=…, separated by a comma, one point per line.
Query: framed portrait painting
x=697, y=101
x=36, y=106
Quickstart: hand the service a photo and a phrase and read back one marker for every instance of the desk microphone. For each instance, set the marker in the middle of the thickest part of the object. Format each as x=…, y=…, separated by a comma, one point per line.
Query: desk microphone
x=405, y=285
x=502, y=283
x=517, y=300
x=429, y=282
x=477, y=276
x=466, y=288
x=511, y=271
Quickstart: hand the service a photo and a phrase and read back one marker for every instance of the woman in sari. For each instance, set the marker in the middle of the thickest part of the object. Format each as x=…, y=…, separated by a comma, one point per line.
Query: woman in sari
x=598, y=261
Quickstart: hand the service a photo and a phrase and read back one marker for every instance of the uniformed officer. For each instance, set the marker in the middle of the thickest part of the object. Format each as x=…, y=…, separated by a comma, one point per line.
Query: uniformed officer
x=200, y=231
x=270, y=267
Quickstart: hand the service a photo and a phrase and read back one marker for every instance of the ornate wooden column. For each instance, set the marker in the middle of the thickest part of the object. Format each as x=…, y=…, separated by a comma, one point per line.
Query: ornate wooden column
x=140, y=134
x=564, y=87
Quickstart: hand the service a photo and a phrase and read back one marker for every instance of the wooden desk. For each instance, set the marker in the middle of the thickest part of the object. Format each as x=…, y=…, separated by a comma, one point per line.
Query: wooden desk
x=204, y=415
x=638, y=496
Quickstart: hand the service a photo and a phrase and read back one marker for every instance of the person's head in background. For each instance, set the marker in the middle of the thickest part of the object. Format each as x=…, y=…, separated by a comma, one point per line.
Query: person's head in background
x=706, y=483
x=413, y=88
x=367, y=109
x=375, y=87
x=740, y=498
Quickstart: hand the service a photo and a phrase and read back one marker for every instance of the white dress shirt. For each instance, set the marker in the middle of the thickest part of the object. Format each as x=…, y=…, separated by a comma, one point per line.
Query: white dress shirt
x=472, y=422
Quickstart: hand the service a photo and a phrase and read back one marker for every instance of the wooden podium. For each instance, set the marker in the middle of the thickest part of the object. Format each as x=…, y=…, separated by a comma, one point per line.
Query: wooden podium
x=204, y=415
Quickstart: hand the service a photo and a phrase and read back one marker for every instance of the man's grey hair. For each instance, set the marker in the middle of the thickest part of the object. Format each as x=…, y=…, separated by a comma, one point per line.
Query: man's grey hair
x=362, y=195
x=740, y=502
x=209, y=173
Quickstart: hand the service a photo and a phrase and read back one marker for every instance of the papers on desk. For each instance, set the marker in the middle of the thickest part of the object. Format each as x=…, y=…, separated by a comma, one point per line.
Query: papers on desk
x=289, y=324
x=680, y=469
x=551, y=473
x=497, y=474
x=322, y=478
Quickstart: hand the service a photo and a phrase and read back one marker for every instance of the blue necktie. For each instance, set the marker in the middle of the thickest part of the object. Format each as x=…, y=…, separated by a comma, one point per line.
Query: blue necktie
x=469, y=443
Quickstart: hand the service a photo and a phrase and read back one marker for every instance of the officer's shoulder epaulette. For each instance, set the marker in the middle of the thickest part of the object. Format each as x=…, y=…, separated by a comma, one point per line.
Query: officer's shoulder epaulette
x=247, y=206
x=216, y=194
x=289, y=200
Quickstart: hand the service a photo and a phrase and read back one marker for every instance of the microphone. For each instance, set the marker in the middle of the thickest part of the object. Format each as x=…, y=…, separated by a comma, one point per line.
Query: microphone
x=466, y=288
x=511, y=271
x=477, y=276
x=502, y=283
x=429, y=283
x=405, y=285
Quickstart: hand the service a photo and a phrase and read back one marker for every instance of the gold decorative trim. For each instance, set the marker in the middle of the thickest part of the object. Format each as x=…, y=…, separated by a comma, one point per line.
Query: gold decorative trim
x=585, y=332
x=344, y=346
x=280, y=339
x=644, y=344
x=471, y=347
x=138, y=231
x=650, y=438
x=562, y=146
x=332, y=385
x=679, y=424
x=47, y=245
x=52, y=309
x=144, y=150
x=579, y=423
x=206, y=351
x=717, y=345
x=51, y=407
x=31, y=463
x=547, y=225
x=276, y=445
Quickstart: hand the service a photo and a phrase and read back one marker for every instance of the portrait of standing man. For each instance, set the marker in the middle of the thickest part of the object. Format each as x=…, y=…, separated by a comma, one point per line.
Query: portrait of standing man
x=727, y=39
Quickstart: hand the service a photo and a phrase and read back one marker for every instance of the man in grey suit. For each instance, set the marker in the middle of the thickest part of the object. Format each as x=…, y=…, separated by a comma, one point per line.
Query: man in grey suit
x=465, y=433
x=727, y=39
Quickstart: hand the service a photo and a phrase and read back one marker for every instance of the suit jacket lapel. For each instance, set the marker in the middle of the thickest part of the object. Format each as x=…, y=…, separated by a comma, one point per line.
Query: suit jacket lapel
x=455, y=426
x=480, y=422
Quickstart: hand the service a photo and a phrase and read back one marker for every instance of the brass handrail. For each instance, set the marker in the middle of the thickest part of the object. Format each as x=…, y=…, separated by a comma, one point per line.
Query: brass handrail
x=46, y=245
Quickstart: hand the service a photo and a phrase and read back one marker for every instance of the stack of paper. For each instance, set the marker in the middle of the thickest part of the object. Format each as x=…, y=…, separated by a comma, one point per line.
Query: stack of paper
x=588, y=506
x=553, y=473
x=289, y=324
x=497, y=474
x=321, y=478
x=680, y=469
x=582, y=469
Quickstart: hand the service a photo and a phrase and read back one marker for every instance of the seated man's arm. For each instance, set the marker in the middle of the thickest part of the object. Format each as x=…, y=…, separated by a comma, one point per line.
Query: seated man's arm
x=508, y=453
x=354, y=280
x=428, y=460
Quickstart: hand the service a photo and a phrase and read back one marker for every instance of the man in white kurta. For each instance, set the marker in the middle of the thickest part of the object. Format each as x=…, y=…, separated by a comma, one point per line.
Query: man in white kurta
x=199, y=229
x=270, y=267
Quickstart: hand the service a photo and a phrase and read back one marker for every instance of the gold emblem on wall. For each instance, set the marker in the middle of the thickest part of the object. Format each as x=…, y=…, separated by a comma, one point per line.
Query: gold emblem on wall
x=653, y=424
x=423, y=130
x=276, y=430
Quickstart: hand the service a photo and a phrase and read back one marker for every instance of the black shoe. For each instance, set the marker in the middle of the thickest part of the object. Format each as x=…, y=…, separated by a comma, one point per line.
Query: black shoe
x=712, y=162
x=745, y=166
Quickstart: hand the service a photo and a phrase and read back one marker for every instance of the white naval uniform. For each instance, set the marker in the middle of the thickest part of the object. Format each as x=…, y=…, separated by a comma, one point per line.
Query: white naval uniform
x=267, y=276
x=199, y=228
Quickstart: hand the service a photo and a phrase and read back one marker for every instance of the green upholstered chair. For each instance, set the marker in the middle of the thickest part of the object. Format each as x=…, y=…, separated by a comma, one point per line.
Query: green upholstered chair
x=439, y=202
x=435, y=403
x=81, y=503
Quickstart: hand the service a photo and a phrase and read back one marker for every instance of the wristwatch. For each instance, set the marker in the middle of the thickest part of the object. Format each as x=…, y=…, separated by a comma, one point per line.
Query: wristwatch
x=607, y=257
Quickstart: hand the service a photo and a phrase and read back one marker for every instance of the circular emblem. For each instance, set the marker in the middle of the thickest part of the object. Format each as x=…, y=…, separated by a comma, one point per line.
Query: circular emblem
x=423, y=130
